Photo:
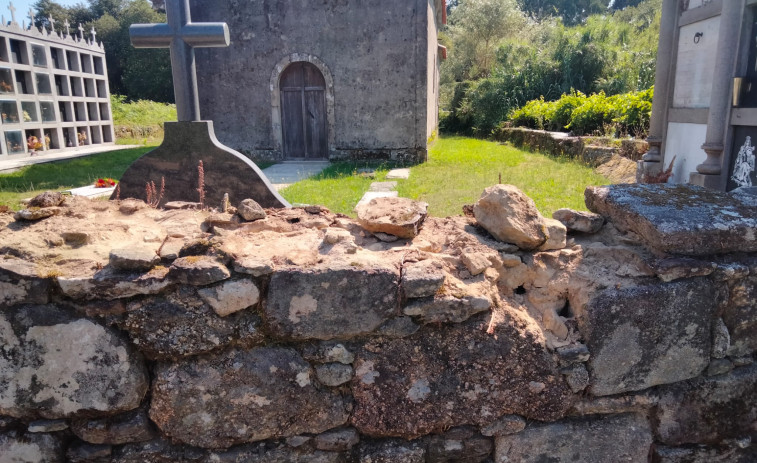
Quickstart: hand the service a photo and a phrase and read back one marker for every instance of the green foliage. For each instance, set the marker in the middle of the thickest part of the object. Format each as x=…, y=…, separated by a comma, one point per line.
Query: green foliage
x=140, y=113
x=613, y=53
x=626, y=114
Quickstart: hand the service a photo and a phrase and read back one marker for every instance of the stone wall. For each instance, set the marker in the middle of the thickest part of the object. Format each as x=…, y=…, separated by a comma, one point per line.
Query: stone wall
x=590, y=150
x=376, y=52
x=131, y=334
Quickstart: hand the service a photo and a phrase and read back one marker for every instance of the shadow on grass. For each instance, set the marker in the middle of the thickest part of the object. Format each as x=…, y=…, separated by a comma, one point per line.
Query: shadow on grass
x=71, y=173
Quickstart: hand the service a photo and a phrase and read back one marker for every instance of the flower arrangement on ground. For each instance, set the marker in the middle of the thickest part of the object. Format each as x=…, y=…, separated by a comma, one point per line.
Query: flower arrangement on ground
x=105, y=183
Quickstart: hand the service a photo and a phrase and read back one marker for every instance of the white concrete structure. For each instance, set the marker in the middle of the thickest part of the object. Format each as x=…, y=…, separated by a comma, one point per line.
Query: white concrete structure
x=705, y=105
x=53, y=87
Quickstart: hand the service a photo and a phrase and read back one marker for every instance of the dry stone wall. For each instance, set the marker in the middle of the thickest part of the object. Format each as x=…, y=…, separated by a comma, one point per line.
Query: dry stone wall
x=131, y=334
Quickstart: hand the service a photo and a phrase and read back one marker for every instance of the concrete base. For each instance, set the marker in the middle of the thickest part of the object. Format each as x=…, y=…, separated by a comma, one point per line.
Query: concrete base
x=713, y=182
x=184, y=146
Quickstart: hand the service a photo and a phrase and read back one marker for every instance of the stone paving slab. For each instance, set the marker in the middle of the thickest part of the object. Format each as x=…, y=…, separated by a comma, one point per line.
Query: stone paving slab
x=293, y=172
x=369, y=195
x=383, y=186
x=90, y=191
x=402, y=174
x=15, y=162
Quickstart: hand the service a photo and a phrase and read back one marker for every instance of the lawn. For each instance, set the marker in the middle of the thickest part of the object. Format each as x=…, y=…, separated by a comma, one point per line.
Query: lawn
x=457, y=171
x=339, y=187
x=63, y=175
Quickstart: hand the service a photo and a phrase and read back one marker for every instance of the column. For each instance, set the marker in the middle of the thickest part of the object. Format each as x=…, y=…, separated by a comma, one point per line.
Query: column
x=652, y=160
x=708, y=173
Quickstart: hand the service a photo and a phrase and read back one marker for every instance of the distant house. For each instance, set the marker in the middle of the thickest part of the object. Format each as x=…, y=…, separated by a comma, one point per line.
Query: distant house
x=705, y=103
x=337, y=79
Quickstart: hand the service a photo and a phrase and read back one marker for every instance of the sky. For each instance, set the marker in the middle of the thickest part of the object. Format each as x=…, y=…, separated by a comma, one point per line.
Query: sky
x=22, y=8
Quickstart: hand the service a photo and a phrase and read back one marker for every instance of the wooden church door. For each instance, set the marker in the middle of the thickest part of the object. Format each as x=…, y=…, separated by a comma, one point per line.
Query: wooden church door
x=303, y=112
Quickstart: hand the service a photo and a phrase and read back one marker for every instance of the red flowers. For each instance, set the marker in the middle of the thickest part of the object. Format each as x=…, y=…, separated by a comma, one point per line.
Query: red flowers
x=105, y=183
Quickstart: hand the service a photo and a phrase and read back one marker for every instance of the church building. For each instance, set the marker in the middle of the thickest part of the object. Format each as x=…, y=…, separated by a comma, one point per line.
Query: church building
x=704, y=114
x=323, y=79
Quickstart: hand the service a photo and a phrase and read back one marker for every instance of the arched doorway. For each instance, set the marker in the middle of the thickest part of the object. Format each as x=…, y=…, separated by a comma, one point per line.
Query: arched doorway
x=304, y=120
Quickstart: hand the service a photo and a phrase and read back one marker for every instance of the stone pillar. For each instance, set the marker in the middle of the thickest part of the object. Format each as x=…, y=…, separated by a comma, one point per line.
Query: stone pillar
x=709, y=173
x=652, y=160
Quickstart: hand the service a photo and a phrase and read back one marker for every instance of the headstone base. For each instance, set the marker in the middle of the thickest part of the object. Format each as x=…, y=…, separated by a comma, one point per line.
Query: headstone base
x=177, y=160
x=713, y=182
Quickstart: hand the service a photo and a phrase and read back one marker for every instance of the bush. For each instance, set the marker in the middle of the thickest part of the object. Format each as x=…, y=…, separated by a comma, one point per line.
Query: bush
x=626, y=114
x=536, y=114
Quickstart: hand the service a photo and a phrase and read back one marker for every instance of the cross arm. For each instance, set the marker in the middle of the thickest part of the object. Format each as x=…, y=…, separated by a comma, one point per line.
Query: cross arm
x=203, y=35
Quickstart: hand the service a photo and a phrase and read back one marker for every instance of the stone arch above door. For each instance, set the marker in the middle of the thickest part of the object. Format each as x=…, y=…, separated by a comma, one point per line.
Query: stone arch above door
x=276, y=129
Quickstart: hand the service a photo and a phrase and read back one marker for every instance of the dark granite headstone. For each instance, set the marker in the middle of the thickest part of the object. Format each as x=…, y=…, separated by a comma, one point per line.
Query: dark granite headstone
x=177, y=160
x=742, y=172
x=191, y=140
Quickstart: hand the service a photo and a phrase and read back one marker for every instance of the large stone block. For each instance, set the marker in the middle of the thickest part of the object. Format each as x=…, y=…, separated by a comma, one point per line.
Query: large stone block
x=707, y=410
x=471, y=373
x=604, y=439
x=267, y=453
x=54, y=365
x=706, y=454
x=644, y=336
x=678, y=219
x=157, y=451
x=740, y=316
x=20, y=283
x=181, y=324
x=328, y=303
x=30, y=448
x=242, y=396
x=133, y=426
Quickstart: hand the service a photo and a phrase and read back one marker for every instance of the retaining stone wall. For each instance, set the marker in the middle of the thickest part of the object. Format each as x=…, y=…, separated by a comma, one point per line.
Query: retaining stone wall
x=561, y=144
x=303, y=338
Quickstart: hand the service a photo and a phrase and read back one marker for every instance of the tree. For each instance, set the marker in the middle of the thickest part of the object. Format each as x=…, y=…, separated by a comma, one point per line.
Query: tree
x=477, y=27
x=571, y=11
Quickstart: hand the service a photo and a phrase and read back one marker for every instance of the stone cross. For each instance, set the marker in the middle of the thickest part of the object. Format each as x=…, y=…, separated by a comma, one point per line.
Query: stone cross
x=52, y=23
x=31, y=15
x=94, y=34
x=81, y=31
x=181, y=36
x=13, y=11
x=68, y=27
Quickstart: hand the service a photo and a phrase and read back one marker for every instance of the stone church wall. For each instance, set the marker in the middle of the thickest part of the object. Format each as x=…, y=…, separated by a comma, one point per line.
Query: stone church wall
x=375, y=51
x=131, y=334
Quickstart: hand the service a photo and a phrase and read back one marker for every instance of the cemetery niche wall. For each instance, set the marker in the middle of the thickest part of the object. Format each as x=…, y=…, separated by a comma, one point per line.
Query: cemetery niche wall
x=705, y=105
x=54, y=92
x=323, y=80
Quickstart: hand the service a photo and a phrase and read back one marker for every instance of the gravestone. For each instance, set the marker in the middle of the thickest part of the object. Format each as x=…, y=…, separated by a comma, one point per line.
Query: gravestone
x=192, y=141
x=742, y=172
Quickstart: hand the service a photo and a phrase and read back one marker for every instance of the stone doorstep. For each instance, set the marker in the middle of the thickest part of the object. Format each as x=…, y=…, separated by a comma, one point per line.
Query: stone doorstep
x=369, y=195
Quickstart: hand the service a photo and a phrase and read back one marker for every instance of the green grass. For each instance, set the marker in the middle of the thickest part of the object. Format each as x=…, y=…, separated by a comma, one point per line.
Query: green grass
x=339, y=187
x=460, y=168
x=63, y=175
x=456, y=173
